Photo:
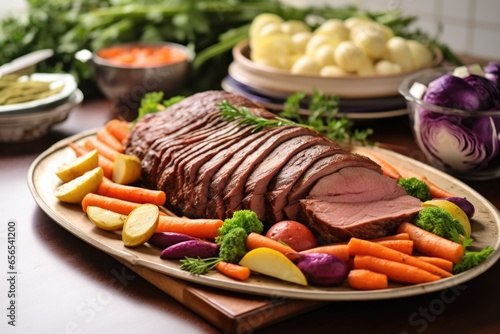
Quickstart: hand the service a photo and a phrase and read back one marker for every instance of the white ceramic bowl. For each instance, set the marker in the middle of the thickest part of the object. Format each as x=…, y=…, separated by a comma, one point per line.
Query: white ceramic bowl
x=281, y=81
x=28, y=126
x=465, y=144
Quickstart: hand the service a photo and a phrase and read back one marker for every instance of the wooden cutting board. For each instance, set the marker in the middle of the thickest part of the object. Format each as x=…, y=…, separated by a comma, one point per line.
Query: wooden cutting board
x=229, y=311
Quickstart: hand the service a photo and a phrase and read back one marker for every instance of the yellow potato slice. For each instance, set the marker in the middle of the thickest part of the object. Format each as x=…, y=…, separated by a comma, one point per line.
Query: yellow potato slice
x=72, y=169
x=140, y=225
x=75, y=190
x=272, y=263
x=106, y=219
x=127, y=169
x=454, y=210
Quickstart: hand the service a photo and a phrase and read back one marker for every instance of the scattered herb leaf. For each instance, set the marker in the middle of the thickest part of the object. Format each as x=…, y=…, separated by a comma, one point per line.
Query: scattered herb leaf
x=153, y=102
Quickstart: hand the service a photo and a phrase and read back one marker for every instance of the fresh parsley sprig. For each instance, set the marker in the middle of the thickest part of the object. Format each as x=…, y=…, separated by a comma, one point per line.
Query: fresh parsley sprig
x=153, y=102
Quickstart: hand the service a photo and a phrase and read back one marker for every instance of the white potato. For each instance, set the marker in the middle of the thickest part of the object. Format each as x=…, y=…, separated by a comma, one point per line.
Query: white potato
x=292, y=27
x=398, y=52
x=260, y=20
x=421, y=56
x=331, y=71
x=334, y=28
x=318, y=40
x=305, y=65
x=299, y=41
x=348, y=56
x=366, y=68
x=385, y=67
x=324, y=55
x=371, y=39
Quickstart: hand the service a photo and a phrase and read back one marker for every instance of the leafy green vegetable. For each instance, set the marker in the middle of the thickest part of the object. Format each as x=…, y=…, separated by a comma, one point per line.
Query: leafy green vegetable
x=153, y=102
x=232, y=237
x=471, y=259
x=323, y=116
x=440, y=222
x=416, y=188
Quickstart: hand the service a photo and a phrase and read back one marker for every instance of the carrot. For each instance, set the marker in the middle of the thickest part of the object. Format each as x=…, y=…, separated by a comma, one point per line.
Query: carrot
x=119, y=129
x=255, y=240
x=431, y=244
x=131, y=193
x=339, y=250
x=387, y=169
x=398, y=236
x=437, y=261
x=233, y=270
x=101, y=147
x=109, y=203
x=199, y=228
x=105, y=163
x=363, y=279
x=435, y=190
x=395, y=271
x=110, y=140
x=365, y=247
x=403, y=246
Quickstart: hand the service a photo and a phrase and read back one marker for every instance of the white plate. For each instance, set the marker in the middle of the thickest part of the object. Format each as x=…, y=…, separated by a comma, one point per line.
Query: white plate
x=281, y=81
x=45, y=103
x=42, y=181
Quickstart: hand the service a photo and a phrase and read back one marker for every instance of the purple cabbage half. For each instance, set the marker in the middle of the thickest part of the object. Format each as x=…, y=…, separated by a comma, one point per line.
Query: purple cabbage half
x=457, y=142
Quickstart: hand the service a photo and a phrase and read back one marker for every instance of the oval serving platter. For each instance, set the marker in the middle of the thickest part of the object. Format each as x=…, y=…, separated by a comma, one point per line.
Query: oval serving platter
x=42, y=181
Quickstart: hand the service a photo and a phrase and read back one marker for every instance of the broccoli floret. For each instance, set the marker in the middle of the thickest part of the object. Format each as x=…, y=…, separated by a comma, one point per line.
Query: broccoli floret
x=232, y=245
x=416, y=188
x=246, y=219
x=440, y=222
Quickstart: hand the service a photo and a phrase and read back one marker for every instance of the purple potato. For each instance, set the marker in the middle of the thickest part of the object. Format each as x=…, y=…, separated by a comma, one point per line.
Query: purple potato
x=191, y=248
x=321, y=269
x=166, y=239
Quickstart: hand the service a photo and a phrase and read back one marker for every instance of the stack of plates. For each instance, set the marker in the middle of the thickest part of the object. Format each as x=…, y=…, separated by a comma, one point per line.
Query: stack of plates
x=368, y=97
x=32, y=120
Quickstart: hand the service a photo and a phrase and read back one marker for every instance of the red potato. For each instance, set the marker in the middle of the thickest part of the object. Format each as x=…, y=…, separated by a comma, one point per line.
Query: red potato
x=191, y=248
x=296, y=235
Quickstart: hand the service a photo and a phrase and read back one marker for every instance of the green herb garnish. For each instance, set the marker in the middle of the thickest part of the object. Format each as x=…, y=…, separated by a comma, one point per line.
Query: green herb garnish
x=245, y=117
x=322, y=117
x=153, y=102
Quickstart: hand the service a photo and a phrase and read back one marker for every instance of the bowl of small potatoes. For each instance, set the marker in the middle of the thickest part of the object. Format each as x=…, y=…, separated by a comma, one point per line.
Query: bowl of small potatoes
x=353, y=58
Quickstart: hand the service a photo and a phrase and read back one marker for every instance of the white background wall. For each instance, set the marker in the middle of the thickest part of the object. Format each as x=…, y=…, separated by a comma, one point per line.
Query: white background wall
x=470, y=27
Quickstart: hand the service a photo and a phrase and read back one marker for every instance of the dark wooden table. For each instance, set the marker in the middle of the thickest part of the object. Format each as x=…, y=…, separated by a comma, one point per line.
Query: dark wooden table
x=66, y=286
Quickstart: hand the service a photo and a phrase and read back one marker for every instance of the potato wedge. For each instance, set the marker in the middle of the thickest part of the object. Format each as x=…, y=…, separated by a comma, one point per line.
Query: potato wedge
x=105, y=219
x=127, y=169
x=72, y=169
x=75, y=190
x=140, y=225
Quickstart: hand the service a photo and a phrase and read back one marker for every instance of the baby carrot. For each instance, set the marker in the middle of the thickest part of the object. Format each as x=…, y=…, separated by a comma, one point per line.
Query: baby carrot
x=199, y=228
x=101, y=147
x=109, y=203
x=435, y=190
x=387, y=169
x=403, y=246
x=362, y=279
x=339, y=250
x=431, y=244
x=131, y=193
x=255, y=240
x=105, y=163
x=119, y=129
x=233, y=270
x=397, y=236
x=110, y=140
x=365, y=247
x=437, y=261
x=395, y=271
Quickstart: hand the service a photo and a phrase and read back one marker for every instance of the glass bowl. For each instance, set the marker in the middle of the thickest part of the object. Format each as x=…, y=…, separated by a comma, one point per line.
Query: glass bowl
x=462, y=143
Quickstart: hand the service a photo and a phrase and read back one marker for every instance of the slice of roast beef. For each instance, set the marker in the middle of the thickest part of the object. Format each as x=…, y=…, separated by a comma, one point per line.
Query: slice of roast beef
x=260, y=177
x=234, y=192
x=282, y=183
x=357, y=202
x=318, y=170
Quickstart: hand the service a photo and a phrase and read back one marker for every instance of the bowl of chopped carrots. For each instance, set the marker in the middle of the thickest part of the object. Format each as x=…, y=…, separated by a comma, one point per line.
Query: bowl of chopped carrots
x=126, y=72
